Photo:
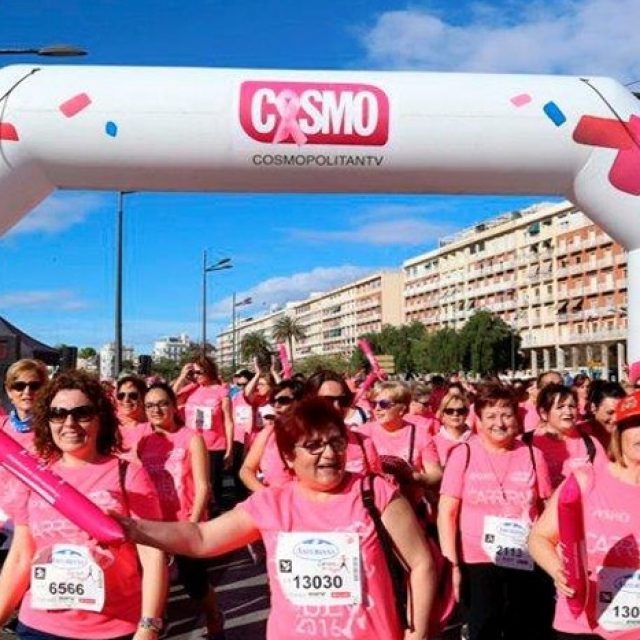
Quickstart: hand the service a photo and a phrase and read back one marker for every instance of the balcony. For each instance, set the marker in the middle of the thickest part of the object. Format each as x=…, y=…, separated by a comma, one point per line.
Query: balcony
x=598, y=336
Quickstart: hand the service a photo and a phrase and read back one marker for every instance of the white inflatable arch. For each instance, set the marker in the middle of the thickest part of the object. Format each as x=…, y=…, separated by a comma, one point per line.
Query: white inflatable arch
x=171, y=129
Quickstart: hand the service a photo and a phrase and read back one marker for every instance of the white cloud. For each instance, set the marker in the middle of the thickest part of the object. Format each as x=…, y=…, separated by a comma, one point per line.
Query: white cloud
x=59, y=212
x=594, y=37
x=386, y=225
x=280, y=290
x=61, y=299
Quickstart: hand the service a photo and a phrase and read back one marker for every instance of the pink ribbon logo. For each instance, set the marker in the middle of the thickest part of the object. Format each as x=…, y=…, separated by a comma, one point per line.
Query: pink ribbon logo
x=288, y=105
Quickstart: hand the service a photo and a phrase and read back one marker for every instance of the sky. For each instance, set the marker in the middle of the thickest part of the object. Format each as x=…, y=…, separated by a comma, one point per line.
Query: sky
x=57, y=266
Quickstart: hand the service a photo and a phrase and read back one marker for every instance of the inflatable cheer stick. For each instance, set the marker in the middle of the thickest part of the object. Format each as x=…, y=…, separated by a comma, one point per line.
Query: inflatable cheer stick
x=572, y=543
x=365, y=347
x=287, y=370
x=60, y=495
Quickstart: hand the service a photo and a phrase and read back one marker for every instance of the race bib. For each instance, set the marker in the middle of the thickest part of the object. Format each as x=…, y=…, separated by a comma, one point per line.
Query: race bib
x=243, y=415
x=504, y=540
x=618, y=598
x=203, y=418
x=72, y=580
x=319, y=568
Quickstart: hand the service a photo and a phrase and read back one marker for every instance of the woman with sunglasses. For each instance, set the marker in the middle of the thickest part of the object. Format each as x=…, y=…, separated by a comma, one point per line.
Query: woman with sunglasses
x=362, y=456
x=406, y=452
x=176, y=459
x=492, y=490
x=320, y=514
x=129, y=397
x=263, y=465
x=70, y=586
x=207, y=410
x=452, y=414
x=23, y=380
x=610, y=494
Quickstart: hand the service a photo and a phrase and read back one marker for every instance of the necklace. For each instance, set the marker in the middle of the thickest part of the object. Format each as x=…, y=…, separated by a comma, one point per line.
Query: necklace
x=500, y=480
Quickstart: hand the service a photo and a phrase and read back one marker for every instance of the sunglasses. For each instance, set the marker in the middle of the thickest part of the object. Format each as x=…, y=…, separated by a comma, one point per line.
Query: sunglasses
x=20, y=385
x=131, y=395
x=317, y=447
x=383, y=404
x=161, y=404
x=462, y=411
x=82, y=414
x=283, y=400
x=343, y=401
x=197, y=372
x=269, y=417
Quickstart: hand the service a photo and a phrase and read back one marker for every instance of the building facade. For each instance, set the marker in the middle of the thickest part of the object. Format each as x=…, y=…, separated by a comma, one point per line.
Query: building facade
x=171, y=347
x=548, y=271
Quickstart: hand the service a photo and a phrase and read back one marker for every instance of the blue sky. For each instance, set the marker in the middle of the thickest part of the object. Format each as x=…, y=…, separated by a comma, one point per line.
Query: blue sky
x=57, y=265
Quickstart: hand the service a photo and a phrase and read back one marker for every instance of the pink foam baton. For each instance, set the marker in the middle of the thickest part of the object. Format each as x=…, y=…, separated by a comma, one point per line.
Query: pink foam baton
x=573, y=543
x=287, y=370
x=365, y=347
x=58, y=493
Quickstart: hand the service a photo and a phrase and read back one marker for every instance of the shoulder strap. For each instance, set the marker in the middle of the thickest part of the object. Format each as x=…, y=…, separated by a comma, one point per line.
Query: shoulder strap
x=122, y=477
x=397, y=568
x=591, y=448
x=527, y=438
x=412, y=443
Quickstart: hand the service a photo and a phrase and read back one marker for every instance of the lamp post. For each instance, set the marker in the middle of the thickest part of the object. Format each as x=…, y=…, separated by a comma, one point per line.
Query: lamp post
x=225, y=263
x=117, y=340
x=240, y=303
x=52, y=51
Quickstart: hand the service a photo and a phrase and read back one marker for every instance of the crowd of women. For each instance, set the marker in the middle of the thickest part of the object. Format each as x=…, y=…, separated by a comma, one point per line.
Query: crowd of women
x=382, y=512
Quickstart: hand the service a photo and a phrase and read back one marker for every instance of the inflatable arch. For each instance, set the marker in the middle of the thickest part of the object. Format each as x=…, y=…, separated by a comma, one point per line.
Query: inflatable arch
x=164, y=129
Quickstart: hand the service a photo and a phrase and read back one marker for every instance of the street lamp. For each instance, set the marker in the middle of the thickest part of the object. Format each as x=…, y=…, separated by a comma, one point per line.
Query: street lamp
x=117, y=346
x=239, y=303
x=225, y=263
x=52, y=51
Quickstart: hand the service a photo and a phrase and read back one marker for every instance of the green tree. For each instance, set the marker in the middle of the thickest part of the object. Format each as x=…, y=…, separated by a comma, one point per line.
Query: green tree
x=86, y=353
x=255, y=345
x=336, y=362
x=287, y=329
x=165, y=368
x=486, y=343
x=443, y=352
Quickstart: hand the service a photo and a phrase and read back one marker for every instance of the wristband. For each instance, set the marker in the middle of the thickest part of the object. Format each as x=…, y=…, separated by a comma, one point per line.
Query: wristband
x=153, y=624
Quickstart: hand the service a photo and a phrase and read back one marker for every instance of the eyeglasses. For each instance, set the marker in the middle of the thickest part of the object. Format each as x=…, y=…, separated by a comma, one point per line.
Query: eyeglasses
x=82, y=414
x=131, y=395
x=383, y=404
x=283, y=400
x=342, y=401
x=317, y=447
x=161, y=405
x=21, y=385
x=197, y=372
x=450, y=411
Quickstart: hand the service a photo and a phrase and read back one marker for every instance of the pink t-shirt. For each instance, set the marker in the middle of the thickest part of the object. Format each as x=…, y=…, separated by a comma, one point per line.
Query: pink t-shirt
x=286, y=509
x=131, y=436
x=362, y=456
x=203, y=412
x=100, y=482
x=445, y=442
x=493, y=484
x=275, y=472
x=9, y=483
x=167, y=459
x=528, y=415
x=429, y=424
x=612, y=527
x=397, y=444
x=242, y=418
x=567, y=455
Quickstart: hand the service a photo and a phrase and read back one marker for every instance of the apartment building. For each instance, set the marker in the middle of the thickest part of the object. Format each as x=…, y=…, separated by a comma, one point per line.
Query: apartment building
x=171, y=347
x=332, y=320
x=547, y=270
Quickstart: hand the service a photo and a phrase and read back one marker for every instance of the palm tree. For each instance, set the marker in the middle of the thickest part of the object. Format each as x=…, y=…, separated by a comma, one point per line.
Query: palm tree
x=287, y=329
x=255, y=345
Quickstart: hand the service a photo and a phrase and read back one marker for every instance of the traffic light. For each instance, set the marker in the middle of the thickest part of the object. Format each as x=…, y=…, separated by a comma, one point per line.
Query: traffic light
x=144, y=365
